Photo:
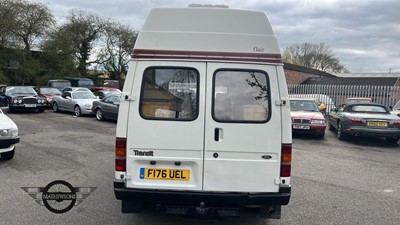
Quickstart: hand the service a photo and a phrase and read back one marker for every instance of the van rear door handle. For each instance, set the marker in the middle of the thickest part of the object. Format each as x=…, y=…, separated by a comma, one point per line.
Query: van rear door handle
x=217, y=134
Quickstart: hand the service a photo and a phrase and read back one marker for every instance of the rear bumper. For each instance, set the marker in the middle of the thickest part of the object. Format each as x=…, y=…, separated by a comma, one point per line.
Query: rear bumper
x=209, y=198
x=370, y=132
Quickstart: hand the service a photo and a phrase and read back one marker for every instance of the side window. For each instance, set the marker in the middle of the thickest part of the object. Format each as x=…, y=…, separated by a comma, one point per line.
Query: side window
x=241, y=96
x=169, y=94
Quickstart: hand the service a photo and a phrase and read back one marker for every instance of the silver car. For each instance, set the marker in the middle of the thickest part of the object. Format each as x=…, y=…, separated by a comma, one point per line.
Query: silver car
x=78, y=102
x=8, y=136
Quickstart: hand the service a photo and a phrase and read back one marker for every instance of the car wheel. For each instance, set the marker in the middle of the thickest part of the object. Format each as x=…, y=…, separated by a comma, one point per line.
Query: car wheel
x=55, y=107
x=99, y=115
x=77, y=111
x=340, y=134
x=331, y=127
x=391, y=140
x=8, y=155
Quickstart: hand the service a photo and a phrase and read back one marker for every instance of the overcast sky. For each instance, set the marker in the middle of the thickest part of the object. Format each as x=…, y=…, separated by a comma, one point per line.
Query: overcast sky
x=363, y=34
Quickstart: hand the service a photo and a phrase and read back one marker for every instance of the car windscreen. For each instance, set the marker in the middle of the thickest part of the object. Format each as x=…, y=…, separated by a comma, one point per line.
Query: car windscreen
x=20, y=90
x=83, y=95
x=298, y=105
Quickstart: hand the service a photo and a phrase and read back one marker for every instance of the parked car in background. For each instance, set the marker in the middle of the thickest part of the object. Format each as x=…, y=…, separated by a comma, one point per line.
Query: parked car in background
x=326, y=102
x=107, y=85
x=21, y=98
x=107, y=108
x=307, y=117
x=80, y=82
x=59, y=84
x=365, y=119
x=76, y=89
x=48, y=93
x=78, y=102
x=105, y=93
x=356, y=99
x=8, y=137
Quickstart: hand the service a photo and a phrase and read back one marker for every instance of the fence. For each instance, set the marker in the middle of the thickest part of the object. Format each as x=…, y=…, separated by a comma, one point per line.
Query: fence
x=333, y=95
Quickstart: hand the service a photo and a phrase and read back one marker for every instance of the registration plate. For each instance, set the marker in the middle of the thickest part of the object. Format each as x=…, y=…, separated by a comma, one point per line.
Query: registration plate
x=301, y=127
x=30, y=105
x=164, y=174
x=377, y=124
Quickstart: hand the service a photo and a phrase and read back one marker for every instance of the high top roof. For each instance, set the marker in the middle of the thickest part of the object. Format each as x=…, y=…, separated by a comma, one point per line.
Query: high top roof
x=208, y=30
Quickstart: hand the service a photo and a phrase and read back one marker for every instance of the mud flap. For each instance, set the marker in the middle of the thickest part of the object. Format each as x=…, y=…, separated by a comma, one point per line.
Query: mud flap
x=132, y=206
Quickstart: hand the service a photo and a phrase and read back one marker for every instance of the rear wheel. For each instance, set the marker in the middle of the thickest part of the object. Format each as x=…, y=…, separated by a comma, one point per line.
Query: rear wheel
x=99, y=115
x=55, y=107
x=77, y=111
x=392, y=140
x=8, y=155
x=341, y=136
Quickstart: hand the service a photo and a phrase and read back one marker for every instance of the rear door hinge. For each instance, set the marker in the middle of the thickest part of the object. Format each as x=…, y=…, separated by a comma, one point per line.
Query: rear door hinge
x=282, y=102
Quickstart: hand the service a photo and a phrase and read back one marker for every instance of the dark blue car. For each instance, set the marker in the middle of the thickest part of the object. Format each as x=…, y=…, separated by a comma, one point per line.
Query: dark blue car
x=21, y=98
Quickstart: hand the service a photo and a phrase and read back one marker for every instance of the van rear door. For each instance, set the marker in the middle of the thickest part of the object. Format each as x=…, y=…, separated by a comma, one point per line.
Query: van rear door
x=243, y=128
x=165, y=132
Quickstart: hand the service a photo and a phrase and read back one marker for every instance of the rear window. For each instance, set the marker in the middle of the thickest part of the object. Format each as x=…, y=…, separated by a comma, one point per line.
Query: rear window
x=170, y=94
x=241, y=96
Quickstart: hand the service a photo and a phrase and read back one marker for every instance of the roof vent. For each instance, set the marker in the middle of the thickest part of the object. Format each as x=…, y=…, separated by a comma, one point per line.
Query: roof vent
x=208, y=6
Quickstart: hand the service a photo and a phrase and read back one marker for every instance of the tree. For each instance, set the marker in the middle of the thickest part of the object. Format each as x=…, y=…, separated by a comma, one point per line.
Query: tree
x=21, y=24
x=32, y=20
x=317, y=56
x=114, y=56
x=76, y=38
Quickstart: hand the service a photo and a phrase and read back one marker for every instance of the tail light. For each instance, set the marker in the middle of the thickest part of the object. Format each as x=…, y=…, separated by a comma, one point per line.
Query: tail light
x=120, y=154
x=356, y=121
x=286, y=160
x=396, y=123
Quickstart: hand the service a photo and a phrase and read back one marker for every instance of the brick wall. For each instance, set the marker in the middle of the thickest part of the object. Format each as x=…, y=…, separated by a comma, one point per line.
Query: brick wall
x=296, y=77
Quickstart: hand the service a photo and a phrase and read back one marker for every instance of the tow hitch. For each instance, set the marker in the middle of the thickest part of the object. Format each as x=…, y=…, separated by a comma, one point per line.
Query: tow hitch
x=202, y=211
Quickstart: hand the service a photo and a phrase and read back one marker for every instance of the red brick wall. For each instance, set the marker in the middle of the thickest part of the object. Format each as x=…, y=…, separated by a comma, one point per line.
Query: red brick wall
x=295, y=77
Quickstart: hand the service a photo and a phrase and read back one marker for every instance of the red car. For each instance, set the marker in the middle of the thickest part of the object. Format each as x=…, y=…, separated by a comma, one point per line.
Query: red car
x=307, y=117
x=48, y=93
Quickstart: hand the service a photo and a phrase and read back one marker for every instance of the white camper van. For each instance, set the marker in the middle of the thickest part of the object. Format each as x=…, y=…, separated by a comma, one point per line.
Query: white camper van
x=204, y=121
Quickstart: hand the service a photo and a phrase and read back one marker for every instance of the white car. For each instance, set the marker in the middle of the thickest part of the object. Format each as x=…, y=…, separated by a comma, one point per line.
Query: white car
x=8, y=137
x=78, y=102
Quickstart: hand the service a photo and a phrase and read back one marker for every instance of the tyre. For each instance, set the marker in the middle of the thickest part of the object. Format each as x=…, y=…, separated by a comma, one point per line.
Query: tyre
x=99, y=115
x=391, y=140
x=132, y=206
x=331, y=127
x=341, y=136
x=55, y=107
x=8, y=155
x=77, y=111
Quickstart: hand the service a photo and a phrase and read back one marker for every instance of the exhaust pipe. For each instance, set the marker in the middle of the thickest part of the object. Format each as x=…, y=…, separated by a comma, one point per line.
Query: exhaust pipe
x=395, y=136
x=357, y=134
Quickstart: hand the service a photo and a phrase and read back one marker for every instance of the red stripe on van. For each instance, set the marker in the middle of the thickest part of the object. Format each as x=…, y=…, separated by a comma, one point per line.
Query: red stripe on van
x=199, y=55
